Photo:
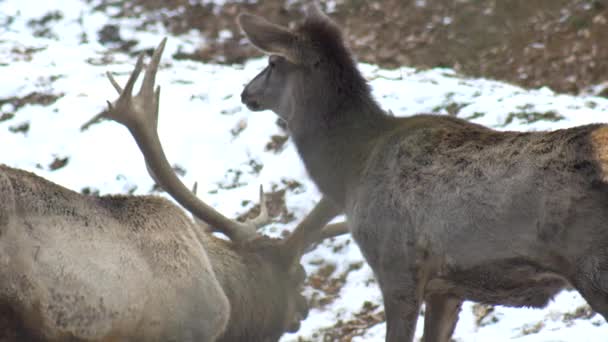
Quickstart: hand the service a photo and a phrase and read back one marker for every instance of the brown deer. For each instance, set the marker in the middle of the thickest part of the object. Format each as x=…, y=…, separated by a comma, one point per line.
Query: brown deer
x=136, y=268
x=443, y=210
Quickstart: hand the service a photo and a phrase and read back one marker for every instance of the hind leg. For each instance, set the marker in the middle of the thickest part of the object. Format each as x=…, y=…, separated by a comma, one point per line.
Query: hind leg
x=591, y=281
x=440, y=317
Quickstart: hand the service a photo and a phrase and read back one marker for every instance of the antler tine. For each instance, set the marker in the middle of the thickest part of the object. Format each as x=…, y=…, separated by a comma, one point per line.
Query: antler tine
x=333, y=230
x=147, y=85
x=114, y=83
x=94, y=119
x=329, y=231
x=264, y=217
x=139, y=114
x=309, y=229
x=139, y=65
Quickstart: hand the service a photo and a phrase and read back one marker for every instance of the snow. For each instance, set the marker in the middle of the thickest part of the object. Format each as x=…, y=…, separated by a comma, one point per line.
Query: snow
x=200, y=105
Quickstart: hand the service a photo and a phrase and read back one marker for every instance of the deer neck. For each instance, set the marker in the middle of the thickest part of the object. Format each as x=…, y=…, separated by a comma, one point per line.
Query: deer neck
x=254, y=293
x=334, y=143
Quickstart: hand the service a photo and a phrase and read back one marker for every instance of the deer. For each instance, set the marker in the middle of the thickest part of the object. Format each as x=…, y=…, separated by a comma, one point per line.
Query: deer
x=443, y=210
x=77, y=267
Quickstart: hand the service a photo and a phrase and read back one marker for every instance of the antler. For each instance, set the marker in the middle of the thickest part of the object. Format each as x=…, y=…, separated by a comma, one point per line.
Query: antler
x=140, y=115
x=204, y=226
x=313, y=229
x=332, y=230
x=262, y=218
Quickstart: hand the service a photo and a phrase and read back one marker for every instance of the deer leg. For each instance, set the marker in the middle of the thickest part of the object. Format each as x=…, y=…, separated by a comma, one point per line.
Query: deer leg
x=591, y=281
x=440, y=317
x=401, y=292
x=397, y=268
x=401, y=305
x=597, y=299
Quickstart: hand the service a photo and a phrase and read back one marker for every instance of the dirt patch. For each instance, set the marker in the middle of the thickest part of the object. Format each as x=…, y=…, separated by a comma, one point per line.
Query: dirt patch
x=583, y=312
x=58, y=163
x=10, y=105
x=328, y=284
x=533, y=43
x=362, y=321
x=276, y=143
x=484, y=314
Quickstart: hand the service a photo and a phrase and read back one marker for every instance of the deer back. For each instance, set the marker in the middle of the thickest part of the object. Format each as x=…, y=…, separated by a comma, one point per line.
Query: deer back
x=90, y=267
x=494, y=210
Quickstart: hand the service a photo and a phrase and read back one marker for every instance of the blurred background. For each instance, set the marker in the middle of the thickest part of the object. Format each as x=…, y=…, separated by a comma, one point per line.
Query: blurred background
x=557, y=43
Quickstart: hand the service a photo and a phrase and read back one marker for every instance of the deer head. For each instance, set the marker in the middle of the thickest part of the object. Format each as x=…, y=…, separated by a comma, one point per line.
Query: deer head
x=312, y=82
x=309, y=69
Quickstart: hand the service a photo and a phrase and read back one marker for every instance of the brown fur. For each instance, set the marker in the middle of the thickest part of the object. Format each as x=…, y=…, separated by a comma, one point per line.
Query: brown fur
x=599, y=141
x=130, y=268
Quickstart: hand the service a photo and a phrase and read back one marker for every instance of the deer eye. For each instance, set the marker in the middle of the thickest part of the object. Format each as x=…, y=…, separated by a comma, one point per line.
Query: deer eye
x=274, y=61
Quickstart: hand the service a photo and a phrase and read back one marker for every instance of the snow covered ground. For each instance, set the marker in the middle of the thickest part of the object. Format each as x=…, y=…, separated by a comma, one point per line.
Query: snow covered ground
x=51, y=48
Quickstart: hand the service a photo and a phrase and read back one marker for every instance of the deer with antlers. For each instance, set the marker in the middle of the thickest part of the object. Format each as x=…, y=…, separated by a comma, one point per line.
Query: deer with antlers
x=443, y=210
x=136, y=268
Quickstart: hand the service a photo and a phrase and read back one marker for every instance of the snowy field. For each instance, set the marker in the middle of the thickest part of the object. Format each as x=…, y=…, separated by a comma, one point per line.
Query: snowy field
x=51, y=48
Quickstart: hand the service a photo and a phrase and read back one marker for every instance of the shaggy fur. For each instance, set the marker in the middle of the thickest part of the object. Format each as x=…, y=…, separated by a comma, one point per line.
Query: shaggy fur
x=131, y=268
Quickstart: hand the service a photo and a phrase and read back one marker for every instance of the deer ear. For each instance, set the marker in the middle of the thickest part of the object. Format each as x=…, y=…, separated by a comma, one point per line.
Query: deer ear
x=268, y=37
x=313, y=11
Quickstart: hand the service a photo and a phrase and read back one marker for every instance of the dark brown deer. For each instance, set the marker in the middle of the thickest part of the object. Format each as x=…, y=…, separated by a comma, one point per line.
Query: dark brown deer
x=443, y=210
x=136, y=268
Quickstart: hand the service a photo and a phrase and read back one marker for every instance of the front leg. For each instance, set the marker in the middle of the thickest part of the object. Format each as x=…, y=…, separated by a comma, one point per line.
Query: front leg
x=440, y=317
x=400, y=292
x=393, y=260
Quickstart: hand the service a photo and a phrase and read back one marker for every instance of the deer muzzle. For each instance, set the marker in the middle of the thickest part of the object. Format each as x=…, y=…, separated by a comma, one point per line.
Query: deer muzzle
x=248, y=100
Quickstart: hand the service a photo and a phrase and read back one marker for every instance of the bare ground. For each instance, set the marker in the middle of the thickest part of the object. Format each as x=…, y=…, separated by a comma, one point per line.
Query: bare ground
x=556, y=43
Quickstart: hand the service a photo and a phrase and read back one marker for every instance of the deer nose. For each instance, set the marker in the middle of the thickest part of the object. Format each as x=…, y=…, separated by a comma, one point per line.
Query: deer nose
x=247, y=100
x=244, y=96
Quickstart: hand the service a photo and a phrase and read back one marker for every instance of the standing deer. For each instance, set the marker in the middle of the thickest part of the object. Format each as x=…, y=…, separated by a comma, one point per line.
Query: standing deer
x=136, y=268
x=443, y=210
